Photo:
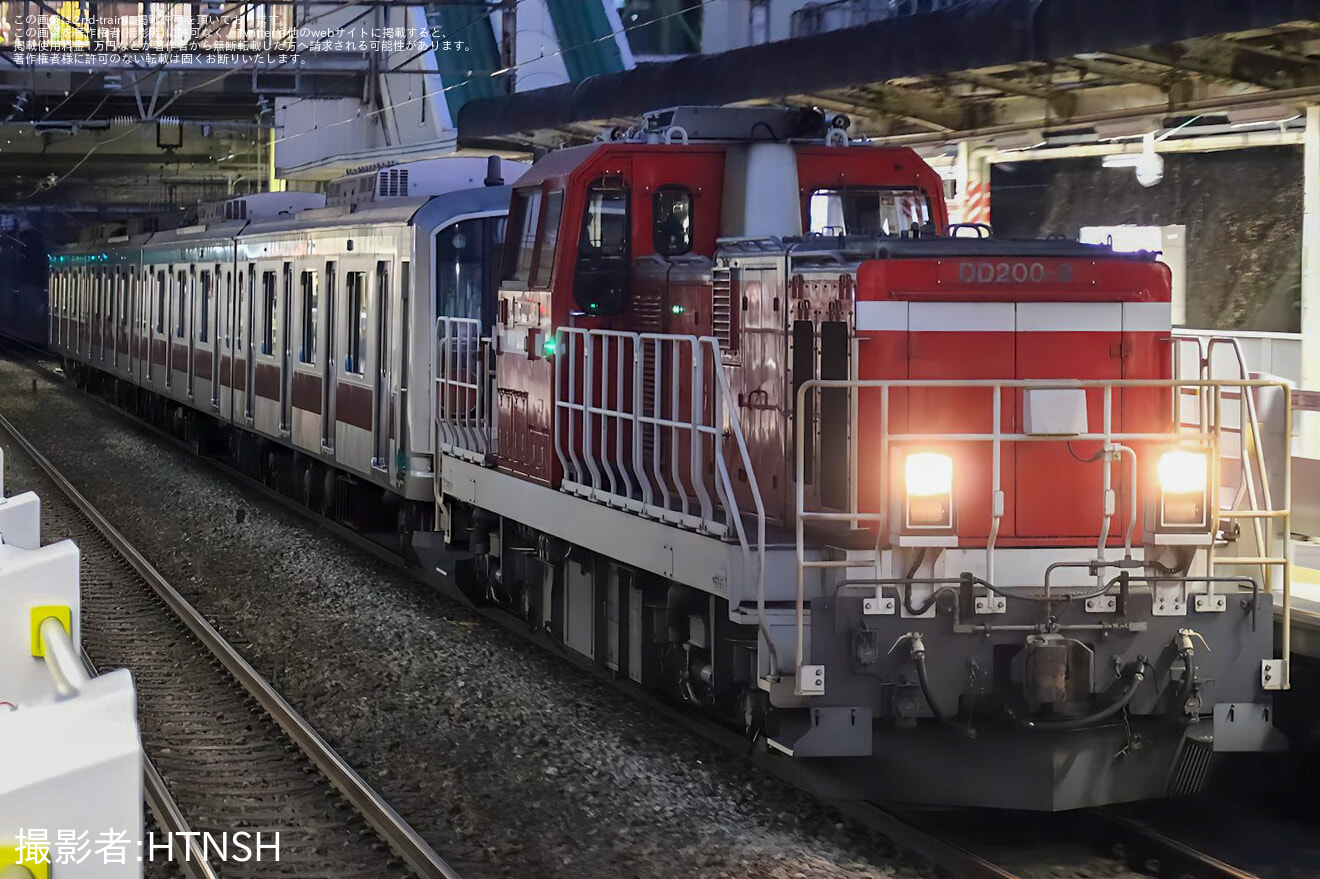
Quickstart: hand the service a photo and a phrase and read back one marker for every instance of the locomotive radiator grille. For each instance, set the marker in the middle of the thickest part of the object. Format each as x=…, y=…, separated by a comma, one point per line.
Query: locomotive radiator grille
x=1192, y=767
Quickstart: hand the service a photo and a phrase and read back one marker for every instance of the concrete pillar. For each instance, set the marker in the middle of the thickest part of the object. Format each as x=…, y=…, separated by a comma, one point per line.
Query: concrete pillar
x=972, y=175
x=1309, y=422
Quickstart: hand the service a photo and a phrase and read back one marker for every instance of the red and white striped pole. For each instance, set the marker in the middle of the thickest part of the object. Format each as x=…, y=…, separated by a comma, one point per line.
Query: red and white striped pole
x=972, y=175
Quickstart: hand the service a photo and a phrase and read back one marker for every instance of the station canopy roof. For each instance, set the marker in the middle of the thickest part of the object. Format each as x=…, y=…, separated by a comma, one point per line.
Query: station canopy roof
x=1007, y=71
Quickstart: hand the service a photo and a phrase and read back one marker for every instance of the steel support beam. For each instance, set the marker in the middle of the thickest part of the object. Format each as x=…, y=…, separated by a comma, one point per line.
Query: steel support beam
x=1309, y=422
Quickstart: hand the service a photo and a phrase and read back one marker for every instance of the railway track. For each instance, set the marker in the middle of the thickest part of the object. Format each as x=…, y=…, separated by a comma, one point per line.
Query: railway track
x=225, y=751
x=1143, y=847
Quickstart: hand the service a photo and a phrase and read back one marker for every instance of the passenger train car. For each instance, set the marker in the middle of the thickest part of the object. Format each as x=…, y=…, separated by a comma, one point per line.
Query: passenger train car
x=292, y=328
x=736, y=413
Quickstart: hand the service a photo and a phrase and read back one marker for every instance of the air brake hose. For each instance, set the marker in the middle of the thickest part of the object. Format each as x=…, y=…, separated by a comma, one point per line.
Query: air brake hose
x=1105, y=713
x=917, y=650
x=1187, y=654
x=919, y=657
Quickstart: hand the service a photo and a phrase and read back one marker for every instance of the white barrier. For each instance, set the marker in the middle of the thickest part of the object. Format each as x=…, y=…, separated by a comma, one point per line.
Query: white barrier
x=70, y=754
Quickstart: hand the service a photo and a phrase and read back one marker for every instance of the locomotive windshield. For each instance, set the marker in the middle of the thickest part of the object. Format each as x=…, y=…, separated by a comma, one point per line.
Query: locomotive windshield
x=856, y=210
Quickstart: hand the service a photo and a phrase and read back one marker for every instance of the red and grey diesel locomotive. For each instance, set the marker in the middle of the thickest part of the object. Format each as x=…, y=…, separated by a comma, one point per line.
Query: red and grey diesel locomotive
x=747, y=420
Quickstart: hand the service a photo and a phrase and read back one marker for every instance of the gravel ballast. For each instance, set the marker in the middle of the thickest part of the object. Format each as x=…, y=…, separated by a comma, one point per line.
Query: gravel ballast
x=502, y=755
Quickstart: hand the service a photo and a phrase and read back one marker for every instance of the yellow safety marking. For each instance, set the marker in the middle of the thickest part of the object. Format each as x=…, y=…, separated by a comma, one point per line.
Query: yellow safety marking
x=39, y=615
x=1305, y=575
x=9, y=857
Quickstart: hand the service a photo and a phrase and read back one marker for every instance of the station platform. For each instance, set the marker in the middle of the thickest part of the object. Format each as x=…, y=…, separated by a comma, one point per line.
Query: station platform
x=1306, y=598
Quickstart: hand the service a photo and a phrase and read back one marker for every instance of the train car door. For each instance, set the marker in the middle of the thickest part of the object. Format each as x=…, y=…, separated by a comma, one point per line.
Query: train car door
x=251, y=344
x=221, y=298
x=381, y=414
x=405, y=340
x=328, y=379
x=131, y=288
x=192, y=330
x=286, y=363
x=175, y=293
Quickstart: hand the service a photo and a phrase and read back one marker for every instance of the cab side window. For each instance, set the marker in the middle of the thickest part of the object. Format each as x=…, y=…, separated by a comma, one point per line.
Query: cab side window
x=523, y=217
x=671, y=220
x=545, y=261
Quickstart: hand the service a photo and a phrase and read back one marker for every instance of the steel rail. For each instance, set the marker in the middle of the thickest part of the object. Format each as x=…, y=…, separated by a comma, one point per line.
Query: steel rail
x=949, y=856
x=1175, y=858
x=401, y=837
x=163, y=805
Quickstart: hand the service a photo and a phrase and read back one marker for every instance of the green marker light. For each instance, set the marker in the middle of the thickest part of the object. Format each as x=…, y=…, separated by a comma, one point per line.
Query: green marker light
x=678, y=309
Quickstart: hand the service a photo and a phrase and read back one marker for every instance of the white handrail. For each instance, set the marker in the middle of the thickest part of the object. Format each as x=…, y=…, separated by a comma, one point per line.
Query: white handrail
x=735, y=425
x=463, y=422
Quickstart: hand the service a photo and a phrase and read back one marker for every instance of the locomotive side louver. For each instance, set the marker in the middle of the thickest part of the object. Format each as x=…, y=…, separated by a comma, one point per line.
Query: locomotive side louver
x=721, y=318
x=392, y=183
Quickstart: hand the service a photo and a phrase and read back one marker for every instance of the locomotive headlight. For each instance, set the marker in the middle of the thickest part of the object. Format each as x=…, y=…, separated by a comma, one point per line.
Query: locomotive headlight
x=1183, y=478
x=928, y=481
x=1182, y=472
x=927, y=474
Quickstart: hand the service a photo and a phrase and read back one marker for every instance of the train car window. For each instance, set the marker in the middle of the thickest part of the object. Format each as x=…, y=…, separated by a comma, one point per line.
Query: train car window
x=549, y=238
x=356, y=283
x=671, y=220
x=310, y=292
x=600, y=283
x=184, y=302
x=203, y=331
x=524, y=215
x=856, y=210
x=268, y=314
x=160, y=302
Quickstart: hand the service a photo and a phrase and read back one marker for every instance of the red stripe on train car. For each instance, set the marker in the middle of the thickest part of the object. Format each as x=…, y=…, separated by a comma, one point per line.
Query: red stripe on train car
x=202, y=363
x=305, y=392
x=353, y=405
x=266, y=381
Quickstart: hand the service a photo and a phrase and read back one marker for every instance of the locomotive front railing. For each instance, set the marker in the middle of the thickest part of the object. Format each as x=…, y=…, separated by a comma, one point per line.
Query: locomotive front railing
x=1208, y=431
x=643, y=422
x=464, y=382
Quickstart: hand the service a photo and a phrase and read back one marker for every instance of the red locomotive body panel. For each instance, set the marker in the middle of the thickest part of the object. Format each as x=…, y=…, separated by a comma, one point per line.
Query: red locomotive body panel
x=967, y=318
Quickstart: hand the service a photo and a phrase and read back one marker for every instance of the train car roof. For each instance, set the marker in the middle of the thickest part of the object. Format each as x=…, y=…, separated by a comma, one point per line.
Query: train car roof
x=201, y=233
x=443, y=209
x=396, y=211
x=426, y=212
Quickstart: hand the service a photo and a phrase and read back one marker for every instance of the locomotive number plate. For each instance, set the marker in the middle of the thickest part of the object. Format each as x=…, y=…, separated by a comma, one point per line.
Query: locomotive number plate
x=992, y=271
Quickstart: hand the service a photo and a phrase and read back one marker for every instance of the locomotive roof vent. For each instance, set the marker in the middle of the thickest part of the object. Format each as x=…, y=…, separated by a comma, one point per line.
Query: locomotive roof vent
x=258, y=206
x=735, y=123
x=412, y=180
